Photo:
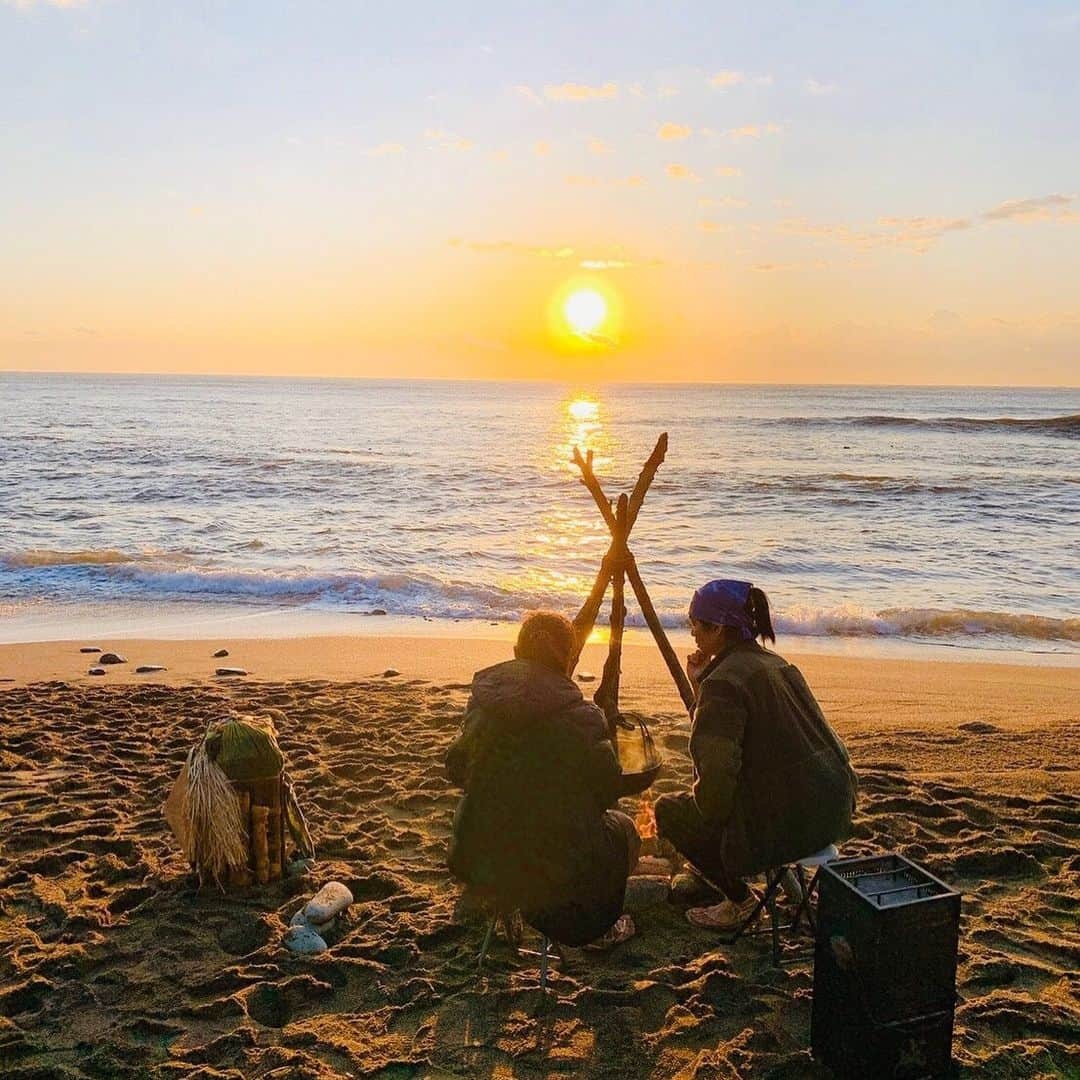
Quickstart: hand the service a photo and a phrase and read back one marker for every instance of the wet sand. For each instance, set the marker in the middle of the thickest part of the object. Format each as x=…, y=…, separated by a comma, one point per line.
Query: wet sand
x=111, y=965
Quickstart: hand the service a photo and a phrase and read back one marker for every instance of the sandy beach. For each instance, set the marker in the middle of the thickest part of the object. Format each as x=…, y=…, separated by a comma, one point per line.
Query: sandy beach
x=111, y=966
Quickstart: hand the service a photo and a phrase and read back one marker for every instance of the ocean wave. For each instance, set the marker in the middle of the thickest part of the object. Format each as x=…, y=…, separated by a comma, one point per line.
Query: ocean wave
x=413, y=593
x=1064, y=426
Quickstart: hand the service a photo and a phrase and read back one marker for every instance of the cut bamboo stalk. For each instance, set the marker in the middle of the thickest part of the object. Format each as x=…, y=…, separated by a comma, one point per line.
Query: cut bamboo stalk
x=240, y=876
x=259, y=822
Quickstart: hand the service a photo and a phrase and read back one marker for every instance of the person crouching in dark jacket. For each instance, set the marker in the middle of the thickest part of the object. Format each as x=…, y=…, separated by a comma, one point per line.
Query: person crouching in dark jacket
x=772, y=782
x=533, y=831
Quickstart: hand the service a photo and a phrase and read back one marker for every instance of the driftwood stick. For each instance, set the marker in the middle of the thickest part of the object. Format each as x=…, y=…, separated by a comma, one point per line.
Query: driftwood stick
x=588, y=478
x=682, y=682
x=585, y=619
x=607, y=694
x=644, y=480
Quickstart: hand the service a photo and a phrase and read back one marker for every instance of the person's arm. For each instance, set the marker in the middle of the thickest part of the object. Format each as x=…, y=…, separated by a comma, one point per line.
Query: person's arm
x=716, y=748
x=602, y=771
x=460, y=751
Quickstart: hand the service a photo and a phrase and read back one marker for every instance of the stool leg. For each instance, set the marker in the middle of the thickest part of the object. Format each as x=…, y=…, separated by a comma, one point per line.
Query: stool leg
x=774, y=919
x=814, y=882
x=487, y=942
x=543, y=965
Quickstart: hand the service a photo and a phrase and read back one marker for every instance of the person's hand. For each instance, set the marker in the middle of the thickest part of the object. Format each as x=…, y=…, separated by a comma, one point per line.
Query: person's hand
x=696, y=663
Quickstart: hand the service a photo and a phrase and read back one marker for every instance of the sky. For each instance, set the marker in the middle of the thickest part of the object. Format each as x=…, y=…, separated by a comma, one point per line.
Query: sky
x=778, y=192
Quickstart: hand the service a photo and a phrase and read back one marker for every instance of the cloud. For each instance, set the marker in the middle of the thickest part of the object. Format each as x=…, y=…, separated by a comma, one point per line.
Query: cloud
x=917, y=234
x=747, y=131
x=707, y=226
x=723, y=79
x=1028, y=209
x=541, y=148
x=819, y=89
x=447, y=140
x=581, y=92
x=618, y=260
x=586, y=180
x=386, y=148
x=682, y=172
x=667, y=91
x=728, y=170
x=598, y=146
x=670, y=132
x=499, y=155
x=529, y=94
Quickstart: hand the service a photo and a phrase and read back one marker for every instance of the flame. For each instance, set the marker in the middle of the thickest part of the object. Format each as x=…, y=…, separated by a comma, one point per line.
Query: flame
x=645, y=819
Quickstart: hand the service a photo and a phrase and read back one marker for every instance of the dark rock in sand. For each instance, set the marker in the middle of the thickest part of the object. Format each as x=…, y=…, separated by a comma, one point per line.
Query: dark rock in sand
x=220, y=653
x=377, y=611
x=226, y=672
x=147, y=669
x=90, y=648
x=978, y=727
x=96, y=671
x=111, y=658
x=390, y=672
x=586, y=676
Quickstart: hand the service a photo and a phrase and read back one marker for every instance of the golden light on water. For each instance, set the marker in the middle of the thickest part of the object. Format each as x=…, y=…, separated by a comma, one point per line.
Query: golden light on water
x=583, y=409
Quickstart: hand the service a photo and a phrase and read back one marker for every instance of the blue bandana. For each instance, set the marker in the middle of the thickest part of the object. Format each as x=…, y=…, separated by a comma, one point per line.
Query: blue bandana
x=724, y=604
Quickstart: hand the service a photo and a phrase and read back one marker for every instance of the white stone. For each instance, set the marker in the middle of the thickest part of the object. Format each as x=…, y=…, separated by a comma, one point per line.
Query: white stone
x=302, y=939
x=329, y=901
x=300, y=919
x=645, y=892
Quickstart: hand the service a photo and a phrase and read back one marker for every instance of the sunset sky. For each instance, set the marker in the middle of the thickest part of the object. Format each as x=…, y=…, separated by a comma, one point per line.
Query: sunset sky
x=880, y=193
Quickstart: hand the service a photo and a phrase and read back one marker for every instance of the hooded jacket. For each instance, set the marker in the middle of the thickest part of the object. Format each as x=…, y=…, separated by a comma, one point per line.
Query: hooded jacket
x=538, y=772
x=770, y=774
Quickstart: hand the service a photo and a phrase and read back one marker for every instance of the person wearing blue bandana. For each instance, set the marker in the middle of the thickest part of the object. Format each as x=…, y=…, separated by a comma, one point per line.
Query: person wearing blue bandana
x=771, y=783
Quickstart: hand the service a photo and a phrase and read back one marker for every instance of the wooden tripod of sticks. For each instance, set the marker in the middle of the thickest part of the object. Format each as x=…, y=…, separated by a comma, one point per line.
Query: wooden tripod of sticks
x=618, y=567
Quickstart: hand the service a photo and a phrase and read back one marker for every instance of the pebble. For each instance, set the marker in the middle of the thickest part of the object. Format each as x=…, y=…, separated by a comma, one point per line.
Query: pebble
x=978, y=727
x=146, y=669
x=90, y=648
x=304, y=940
x=111, y=658
x=645, y=892
x=299, y=867
x=329, y=901
x=651, y=866
x=226, y=671
x=220, y=653
x=586, y=676
x=96, y=671
x=390, y=672
x=377, y=611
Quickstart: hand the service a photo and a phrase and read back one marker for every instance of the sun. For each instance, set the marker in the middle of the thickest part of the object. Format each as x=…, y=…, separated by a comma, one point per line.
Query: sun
x=585, y=310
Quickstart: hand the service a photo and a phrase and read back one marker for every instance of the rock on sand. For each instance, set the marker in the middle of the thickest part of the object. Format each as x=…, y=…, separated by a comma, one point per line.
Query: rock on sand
x=302, y=939
x=220, y=653
x=96, y=671
x=147, y=669
x=90, y=648
x=645, y=892
x=329, y=901
x=228, y=671
x=111, y=658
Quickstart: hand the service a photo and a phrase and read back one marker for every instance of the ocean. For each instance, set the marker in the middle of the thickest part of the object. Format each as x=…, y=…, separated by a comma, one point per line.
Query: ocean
x=939, y=516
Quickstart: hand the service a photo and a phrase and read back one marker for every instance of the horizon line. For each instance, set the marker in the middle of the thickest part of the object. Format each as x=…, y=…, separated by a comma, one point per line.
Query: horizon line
x=530, y=382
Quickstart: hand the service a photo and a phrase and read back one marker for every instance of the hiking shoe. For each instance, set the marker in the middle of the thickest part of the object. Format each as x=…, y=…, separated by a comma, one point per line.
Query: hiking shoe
x=727, y=915
x=623, y=930
x=690, y=888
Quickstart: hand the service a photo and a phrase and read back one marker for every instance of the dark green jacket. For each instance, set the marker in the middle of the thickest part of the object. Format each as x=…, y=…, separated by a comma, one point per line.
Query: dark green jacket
x=538, y=773
x=769, y=772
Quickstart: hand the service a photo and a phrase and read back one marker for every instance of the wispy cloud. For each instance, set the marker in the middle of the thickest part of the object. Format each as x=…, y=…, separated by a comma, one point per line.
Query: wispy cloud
x=667, y=91
x=682, y=172
x=728, y=170
x=1039, y=209
x=723, y=79
x=386, y=148
x=707, y=226
x=819, y=89
x=581, y=92
x=755, y=131
x=616, y=259
x=917, y=234
x=27, y=4
x=529, y=94
x=724, y=200
x=447, y=140
x=587, y=180
x=541, y=148
x=599, y=147
x=671, y=132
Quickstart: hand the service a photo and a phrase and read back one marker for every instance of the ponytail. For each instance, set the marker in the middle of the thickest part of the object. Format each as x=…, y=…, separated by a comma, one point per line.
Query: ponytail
x=757, y=607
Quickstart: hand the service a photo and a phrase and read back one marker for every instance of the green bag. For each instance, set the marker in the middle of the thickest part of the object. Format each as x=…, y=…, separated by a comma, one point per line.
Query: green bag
x=245, y=748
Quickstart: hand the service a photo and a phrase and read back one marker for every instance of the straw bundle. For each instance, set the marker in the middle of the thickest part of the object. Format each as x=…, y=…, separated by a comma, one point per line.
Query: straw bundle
x=214, y=818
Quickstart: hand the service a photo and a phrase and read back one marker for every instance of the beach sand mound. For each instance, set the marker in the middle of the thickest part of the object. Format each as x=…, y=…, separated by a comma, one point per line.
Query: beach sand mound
x=112, y=966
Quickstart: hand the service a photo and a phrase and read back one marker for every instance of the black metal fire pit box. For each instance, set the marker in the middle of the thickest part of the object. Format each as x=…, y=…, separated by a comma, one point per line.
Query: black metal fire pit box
x=884, y=970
